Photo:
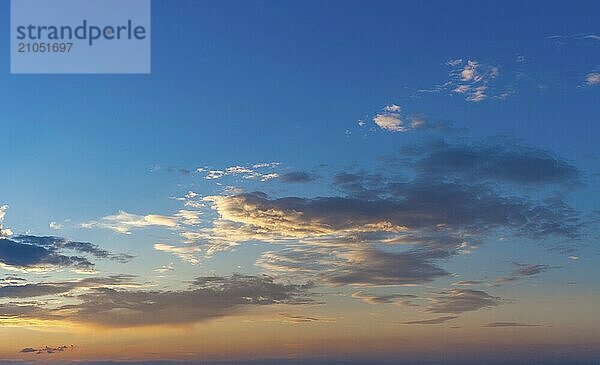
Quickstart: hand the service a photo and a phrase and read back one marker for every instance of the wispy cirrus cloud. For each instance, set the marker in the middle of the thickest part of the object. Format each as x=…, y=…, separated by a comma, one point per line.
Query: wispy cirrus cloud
x=47, y=349
x=124, y=222
x=509, y=324
x=438, y=320
x=185, y=253
x=525, y=270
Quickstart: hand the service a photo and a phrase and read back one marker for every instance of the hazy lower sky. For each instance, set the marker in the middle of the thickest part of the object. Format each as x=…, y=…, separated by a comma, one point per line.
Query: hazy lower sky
x=353, y=180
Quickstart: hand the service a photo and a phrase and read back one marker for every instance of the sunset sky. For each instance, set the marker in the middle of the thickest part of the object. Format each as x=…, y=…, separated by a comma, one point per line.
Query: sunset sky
x=311, y=180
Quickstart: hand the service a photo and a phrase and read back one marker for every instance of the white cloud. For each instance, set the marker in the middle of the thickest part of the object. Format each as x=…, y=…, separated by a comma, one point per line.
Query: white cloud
x=185, y=253
x=124, y=222
x=390, y=122
x=472, y=79
x=4, y=232
x=392, y=108
x=55, y=225
x=592, y=79
x=165, y=268
x=252, y=172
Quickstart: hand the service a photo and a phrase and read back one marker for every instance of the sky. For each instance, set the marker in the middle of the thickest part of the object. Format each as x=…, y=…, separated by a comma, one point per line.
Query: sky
x=316, y=181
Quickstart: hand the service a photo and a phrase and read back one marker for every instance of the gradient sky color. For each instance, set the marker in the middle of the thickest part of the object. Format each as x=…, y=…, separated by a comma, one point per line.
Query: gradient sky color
x=338, y=180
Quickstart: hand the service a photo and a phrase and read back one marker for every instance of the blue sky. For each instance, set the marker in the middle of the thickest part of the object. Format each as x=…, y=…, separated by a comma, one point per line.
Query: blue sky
x=320, y=89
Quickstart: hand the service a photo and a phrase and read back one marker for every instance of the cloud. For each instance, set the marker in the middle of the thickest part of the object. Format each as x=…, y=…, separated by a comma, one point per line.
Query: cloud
x=260, y=171
x=289, y=318
x=593, y=78
x=391, y=120
x=524, y=270
x=501, y=161
x=32, y=290
x=47, y=349
x=297, y=177
x=35, y=253
x=124, y=222
x=165, y=268
x=404, y=299
x=55, y=225
x=378, y=268
x=438, y=320
x=472, y=79
x=461, y=300
x=4, y=232
x=509, y=324
x=467, y=283
x=185, y=253
x=207, y=298
x=436, y=214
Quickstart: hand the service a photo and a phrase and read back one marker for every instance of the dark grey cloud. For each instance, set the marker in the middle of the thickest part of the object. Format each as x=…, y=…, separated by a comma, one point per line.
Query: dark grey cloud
x=510, y=324
x=500, y=161
x=32, y=290
x=27, y=252
x=47, y=349
x=22, y=255
x=356, y=265
x=525, y=270
x=405, y=299
x=297, y=177
x=438, y=320
x=376, y=267
x=462, y=300
x=207, y=298
x=52, y=242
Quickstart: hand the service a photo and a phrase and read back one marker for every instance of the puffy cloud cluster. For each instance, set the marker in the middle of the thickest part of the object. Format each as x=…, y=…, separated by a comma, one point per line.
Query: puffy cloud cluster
x=390, y=119
x=4, y=232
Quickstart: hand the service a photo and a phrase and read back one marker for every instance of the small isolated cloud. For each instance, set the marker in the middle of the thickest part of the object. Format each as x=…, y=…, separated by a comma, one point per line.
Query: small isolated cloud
x=393, y=108
x=289, y=318
x=297, y=177
x=165, y=268
x=525, y=270
x=404, y=299
x=462, y=300
x=390, y=119
x=509, y=324
x=593, y=78
x=438, y=320
x=47, y=349
x=55, y=225
x=467, y=283
x=4, y=232
x=390, y=122
x=185, y=253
